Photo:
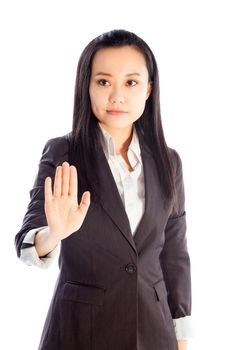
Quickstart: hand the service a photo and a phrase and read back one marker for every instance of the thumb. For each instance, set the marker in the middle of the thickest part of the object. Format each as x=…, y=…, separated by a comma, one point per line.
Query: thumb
x=85, y=202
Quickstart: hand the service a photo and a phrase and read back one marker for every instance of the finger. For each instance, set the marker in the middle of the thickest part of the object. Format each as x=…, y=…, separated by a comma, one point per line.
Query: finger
x=57, y=182
x=65, y=178
x=85, y=202
x=48, y=194
x=73, y=190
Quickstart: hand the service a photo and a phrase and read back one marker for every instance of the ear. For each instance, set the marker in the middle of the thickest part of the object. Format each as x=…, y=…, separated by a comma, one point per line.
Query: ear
x=149, y=89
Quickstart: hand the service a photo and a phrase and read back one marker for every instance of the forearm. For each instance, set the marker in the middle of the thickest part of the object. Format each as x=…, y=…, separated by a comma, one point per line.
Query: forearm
x=45, y=242
x=182, y=344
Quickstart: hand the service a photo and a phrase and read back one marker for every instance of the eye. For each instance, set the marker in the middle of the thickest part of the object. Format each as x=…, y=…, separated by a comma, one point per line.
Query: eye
x=103, y=81
x=100, y=80
x=133, y=81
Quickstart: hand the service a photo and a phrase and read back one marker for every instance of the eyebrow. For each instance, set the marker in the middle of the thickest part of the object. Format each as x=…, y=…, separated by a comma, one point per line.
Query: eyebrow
x=109, y=75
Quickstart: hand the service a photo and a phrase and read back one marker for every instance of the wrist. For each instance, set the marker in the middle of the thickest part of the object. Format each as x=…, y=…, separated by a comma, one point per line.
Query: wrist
x=45, y=241
x=182, y=344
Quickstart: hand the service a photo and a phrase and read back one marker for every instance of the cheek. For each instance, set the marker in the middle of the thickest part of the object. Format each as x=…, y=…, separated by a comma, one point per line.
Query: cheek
x=138, y=101
x=98, y=104
x=97, y=99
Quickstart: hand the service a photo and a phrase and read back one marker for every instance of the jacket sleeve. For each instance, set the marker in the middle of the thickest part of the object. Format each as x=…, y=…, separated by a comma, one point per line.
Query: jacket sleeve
x=55, y=152
x=175, y=260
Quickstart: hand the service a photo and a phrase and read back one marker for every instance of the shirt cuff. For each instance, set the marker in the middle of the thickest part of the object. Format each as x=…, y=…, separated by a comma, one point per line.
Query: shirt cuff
x=29, y=254
x=183, y=327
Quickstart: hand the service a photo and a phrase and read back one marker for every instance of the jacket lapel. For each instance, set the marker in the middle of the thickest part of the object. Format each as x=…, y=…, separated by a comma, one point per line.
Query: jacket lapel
x=154, y=202
x=111, y=202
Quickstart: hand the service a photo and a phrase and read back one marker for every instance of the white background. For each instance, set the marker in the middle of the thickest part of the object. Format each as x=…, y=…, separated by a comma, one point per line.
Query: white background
x=41, y=42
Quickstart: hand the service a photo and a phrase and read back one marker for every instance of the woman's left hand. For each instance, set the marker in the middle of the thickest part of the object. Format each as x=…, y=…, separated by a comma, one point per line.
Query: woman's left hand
x=182, y=344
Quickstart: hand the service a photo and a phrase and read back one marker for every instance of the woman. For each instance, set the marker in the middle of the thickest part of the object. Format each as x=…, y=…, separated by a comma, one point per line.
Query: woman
x=110, y=196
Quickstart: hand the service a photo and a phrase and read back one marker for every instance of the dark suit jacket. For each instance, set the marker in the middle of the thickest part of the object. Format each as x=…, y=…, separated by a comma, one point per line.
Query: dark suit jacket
x=115, y=291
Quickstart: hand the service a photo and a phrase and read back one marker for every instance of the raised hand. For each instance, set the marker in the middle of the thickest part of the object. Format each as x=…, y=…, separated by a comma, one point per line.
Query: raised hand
x=64, y=214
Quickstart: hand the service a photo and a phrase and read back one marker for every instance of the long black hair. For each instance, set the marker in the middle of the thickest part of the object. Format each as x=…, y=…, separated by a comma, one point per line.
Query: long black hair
x=85, y=131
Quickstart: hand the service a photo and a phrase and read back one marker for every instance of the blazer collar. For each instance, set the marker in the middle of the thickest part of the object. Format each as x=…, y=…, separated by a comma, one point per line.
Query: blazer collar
x=109, y=146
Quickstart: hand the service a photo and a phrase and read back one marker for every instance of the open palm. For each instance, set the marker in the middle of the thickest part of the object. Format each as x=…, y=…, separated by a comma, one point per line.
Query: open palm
x=64, y=214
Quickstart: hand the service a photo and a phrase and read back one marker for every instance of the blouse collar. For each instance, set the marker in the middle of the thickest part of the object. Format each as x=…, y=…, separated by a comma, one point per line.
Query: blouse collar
x=109, y=146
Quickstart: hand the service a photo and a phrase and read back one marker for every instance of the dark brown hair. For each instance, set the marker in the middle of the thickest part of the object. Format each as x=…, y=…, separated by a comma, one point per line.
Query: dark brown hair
x=85, y=132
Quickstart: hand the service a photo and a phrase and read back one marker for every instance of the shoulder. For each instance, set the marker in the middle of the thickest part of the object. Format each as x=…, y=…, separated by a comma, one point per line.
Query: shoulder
x=175, y=158
x=59, y=142
x=57, y=147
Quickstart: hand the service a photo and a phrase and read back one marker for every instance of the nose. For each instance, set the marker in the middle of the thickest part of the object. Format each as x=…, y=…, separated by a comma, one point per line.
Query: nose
x=116, y=97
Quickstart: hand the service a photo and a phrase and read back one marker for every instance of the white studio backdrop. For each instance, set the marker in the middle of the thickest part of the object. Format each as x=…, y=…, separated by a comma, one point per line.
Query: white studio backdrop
x=40, y=45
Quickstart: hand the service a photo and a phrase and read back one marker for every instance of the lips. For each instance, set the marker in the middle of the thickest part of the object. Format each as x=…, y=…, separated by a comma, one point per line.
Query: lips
x=116, y=111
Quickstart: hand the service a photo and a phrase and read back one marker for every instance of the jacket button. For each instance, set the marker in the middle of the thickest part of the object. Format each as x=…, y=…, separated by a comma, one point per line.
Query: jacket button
x=130, y=268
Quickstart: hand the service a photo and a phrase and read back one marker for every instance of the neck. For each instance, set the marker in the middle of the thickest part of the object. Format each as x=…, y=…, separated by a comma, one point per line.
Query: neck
x=121, y=137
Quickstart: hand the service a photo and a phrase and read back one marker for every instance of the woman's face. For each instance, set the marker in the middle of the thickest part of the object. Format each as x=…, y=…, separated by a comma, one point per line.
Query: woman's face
x=119, y=81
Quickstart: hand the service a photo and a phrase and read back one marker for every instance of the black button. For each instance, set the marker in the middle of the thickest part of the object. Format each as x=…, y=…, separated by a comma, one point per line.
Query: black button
x=130, y=268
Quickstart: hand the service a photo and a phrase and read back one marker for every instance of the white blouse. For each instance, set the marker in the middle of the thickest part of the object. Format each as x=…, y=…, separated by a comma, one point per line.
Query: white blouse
x=130, y=184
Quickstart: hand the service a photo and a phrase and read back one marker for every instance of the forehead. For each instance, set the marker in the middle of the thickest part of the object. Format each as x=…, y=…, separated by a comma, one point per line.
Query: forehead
x=126, y=59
